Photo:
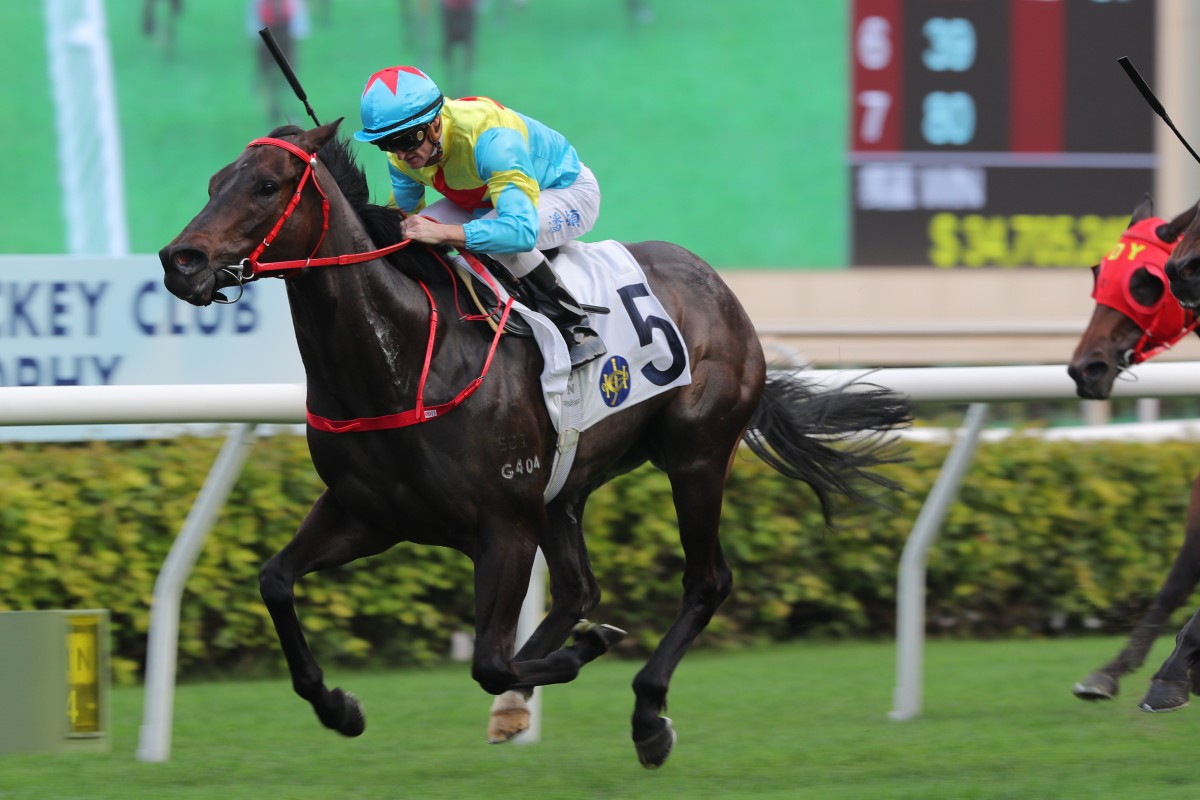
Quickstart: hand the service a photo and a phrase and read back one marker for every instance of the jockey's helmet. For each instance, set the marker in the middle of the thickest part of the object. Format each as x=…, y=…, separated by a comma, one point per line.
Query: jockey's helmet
x=397, y=98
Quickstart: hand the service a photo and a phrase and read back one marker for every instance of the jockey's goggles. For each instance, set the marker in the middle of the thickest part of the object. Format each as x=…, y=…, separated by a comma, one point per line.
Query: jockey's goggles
x=404, y=141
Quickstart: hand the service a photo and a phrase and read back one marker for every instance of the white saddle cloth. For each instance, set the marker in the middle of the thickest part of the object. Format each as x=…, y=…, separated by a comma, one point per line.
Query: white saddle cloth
x=646, y=353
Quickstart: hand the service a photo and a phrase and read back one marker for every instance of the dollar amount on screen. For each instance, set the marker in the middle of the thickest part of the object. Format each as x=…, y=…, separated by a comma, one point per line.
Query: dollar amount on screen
x=1021, y=240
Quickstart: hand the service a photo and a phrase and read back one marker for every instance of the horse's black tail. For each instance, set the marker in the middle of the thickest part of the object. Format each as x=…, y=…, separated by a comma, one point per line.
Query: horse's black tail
x=829, y=437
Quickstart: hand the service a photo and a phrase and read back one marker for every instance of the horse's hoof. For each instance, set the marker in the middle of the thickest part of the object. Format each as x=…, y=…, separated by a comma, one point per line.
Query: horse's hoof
x=353, y=722
x=1097, y=686
x=605, y=635
x=509, y=717
x=1165, y=696
x=653, y=751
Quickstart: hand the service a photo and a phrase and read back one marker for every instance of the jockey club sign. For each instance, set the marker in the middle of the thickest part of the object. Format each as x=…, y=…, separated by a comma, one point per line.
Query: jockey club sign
x=70, y=320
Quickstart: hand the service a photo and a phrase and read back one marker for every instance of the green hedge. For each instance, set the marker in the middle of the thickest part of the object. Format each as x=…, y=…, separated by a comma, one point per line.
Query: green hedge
x=1047, y=537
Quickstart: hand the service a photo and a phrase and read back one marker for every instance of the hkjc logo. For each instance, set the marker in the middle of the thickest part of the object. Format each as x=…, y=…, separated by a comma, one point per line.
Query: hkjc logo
x=614, y=381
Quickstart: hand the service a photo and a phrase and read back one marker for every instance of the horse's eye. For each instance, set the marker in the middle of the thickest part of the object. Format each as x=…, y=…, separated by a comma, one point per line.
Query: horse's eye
x=268, y=188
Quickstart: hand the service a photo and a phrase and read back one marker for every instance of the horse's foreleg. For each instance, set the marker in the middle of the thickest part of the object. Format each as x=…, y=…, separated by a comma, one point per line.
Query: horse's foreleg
x=707, y=581
x=1170, y=686
x=503, y=562
x=501, y=579
x=1181, y=580
x=574, y=593
x=328, y=537
x=510, y=713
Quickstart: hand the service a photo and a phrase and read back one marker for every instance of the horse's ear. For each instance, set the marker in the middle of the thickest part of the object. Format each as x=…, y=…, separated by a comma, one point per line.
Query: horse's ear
x=314, y=139
x=1175, y=228
x=1144, y=210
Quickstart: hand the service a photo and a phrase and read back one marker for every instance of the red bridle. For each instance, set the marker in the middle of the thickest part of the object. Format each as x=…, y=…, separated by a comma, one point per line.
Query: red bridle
x=254, y=267
x=1164, y=323
x=420, y=412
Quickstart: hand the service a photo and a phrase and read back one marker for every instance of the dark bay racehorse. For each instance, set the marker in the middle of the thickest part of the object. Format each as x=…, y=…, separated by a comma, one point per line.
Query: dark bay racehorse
x=1135, y=318
x=363, y=332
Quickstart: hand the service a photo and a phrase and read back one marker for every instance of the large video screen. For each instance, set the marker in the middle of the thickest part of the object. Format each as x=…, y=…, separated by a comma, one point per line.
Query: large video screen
x=997, y=132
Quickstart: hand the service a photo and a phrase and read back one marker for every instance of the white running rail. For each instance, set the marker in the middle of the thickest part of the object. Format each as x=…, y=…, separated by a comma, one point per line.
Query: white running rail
x=252, y=404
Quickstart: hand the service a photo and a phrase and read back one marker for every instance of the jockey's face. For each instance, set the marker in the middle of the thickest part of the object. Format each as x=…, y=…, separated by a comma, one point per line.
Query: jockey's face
x=427, y=153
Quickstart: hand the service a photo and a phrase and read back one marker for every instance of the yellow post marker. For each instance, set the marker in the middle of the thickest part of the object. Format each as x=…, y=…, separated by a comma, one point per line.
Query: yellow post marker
x=83, y=675
x=54, y=681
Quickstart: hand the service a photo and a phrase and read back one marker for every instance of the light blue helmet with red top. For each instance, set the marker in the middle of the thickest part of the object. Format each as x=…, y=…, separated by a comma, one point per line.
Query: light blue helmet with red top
x=397, y=98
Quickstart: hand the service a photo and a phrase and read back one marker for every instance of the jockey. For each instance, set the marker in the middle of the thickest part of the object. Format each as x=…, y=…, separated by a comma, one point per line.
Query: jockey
x=511, y=187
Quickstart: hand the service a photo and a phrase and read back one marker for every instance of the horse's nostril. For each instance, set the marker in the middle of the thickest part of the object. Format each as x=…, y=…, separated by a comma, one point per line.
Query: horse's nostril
x=1181, y=270
x=185, y=260
x=1090, y=372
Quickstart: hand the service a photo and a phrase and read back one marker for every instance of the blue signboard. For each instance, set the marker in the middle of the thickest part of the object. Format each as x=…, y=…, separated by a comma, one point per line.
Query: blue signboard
x=70, y=320
x=94, y=321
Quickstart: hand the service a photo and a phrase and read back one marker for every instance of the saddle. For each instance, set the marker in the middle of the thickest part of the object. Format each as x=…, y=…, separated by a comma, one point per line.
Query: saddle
x=484, y=300
x=481, y=296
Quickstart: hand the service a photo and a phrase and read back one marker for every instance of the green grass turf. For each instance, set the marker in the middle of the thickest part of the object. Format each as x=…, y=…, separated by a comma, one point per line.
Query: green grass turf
x=718, y=126
x=804, y=720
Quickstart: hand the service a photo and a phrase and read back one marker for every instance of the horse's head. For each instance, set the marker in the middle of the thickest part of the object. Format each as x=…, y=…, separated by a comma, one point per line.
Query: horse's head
x=1136, y=315
x=1183, y=268
x=246, y=200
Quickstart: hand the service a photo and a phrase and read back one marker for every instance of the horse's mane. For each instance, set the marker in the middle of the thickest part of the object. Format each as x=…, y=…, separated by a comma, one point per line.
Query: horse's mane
x=382, y=223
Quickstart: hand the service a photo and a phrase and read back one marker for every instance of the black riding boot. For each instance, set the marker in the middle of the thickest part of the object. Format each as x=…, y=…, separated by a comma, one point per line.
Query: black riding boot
x=583, y=343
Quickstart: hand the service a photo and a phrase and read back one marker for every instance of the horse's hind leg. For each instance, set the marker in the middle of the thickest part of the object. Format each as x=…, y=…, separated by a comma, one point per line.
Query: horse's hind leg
x=707, y=581
x=1181, y=580
x=327, y=538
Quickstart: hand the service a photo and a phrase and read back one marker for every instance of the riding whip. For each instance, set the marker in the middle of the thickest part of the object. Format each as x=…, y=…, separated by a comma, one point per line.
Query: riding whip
x=1132, y=72
x=281, y=60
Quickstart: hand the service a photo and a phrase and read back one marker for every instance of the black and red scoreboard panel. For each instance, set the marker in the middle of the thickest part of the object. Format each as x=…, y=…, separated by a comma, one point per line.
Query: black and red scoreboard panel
x=997, y=132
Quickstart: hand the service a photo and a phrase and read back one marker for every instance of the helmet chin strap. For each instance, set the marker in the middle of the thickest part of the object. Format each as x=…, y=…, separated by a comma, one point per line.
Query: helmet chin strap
x=436, y=156
x=437, y=148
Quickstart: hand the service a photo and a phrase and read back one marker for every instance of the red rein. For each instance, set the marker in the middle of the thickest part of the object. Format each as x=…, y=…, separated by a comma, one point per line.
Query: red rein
x=421, y=412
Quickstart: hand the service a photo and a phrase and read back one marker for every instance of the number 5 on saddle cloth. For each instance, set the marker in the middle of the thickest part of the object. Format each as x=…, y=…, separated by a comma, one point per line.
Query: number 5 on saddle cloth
x=646, y=353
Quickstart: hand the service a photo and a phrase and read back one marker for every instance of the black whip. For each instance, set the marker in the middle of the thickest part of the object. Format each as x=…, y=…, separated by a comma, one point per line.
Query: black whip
x=1132, y=72
x=281, y=60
